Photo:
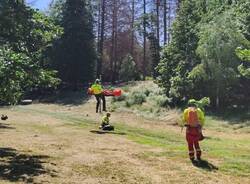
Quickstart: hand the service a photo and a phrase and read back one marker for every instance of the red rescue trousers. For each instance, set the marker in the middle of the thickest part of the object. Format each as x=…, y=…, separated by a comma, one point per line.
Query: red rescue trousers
x=193, y=135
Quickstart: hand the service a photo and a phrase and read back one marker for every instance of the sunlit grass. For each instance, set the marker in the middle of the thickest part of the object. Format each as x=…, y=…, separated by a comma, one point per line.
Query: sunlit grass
x=232, y=154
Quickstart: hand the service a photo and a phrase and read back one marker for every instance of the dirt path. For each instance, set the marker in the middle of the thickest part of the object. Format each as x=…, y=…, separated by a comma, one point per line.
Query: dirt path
x=39, y=146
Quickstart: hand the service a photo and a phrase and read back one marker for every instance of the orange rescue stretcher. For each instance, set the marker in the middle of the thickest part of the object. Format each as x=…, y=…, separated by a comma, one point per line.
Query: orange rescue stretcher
x=107, y=92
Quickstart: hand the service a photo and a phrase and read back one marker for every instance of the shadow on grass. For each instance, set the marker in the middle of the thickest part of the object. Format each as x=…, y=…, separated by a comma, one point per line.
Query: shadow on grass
x=5, y=126
x=204, y=164
x=106, y=132
x=15, y=166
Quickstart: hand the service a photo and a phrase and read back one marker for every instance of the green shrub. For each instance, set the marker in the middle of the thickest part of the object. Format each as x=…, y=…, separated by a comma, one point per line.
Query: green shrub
x=147, y=92
x=137, y=98
x=119, y=98
x=128, y=69
x=162, y=101
x=158, y=100
x=127, y=104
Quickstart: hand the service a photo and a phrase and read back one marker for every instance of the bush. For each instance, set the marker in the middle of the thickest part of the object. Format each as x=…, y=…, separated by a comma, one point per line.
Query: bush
x=128, y=69
x=119, y=98
x=162, y=101
x=137, y=98
x=20, y=75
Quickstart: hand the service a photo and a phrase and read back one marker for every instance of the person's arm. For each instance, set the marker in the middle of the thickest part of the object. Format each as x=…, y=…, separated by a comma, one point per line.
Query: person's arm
x=184, y=117
x=105, y=120
x=201, y=116
x=92, y=87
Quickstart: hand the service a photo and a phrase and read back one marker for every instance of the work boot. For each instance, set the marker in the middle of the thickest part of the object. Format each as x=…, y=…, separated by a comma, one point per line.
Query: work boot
x=192, y=160
x=199, y=158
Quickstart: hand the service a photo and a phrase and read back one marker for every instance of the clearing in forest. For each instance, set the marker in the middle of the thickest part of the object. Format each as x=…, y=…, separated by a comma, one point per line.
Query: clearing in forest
x=55, y=143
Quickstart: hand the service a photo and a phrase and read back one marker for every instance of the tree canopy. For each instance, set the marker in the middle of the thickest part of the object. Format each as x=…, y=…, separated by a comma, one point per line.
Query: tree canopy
x=201, y=59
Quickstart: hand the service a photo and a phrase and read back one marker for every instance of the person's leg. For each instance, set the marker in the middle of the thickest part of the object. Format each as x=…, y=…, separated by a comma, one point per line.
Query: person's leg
x=108, y=128
x=97, y=102
x=191, y=150
x=190, y=143
x=197, y=149
x=103, y=102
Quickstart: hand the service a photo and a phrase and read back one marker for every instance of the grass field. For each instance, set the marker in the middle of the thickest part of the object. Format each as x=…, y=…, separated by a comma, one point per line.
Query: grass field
x=59, y=143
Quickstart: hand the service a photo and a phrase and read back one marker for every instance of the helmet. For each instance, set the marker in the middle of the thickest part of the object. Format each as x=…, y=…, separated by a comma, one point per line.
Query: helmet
x=192, y=102
x=97, y=81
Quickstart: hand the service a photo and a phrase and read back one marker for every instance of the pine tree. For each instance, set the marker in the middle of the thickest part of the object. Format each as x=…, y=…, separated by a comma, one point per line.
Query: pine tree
x=75, y=55
x=180, y=57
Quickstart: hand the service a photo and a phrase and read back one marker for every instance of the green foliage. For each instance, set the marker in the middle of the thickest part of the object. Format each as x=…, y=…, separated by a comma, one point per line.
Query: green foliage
x=56, y=11
x=146, y=99
x=200, y=60
x=136, y=98
x=155, y=53
x=128, y=69
x=24, y=38
x=18, y=74
x=244, y=71
x=217, y=43
x=244, y=54
x=202, y=103
x=73, y=54
x=179, y=57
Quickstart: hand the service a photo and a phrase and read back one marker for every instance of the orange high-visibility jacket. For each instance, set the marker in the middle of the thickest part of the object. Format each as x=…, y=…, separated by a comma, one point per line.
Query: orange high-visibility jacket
x=200, y=114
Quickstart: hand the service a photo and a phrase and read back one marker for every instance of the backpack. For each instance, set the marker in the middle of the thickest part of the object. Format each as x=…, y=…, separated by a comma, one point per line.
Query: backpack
x=193, y=119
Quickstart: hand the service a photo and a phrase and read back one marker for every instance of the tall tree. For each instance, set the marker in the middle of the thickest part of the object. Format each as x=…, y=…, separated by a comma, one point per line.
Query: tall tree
x=25, y=35
x=157, y=4
x=165, y=21
x=75, y=54
x=101, y=41
x=144, y=39
x=113, y=60
x=179, y=57
x=132, y=28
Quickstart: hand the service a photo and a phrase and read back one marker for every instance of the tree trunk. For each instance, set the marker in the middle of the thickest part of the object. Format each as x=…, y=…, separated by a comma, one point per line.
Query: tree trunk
x=178, y=4
x=132, y=29
x=165, y=21
x=103, y=12
x=217, y=98
x=157, y=20
x=98, y=38
x=144, y=40
x=115, y=74
x=114, y=42
x=169, y=20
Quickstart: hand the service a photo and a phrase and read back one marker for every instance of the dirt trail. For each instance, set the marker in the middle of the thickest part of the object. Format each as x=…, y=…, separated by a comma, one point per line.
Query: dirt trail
x=39, y=147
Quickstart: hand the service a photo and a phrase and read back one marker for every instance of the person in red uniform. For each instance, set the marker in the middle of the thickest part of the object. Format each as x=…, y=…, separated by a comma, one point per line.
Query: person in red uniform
x=193, y=119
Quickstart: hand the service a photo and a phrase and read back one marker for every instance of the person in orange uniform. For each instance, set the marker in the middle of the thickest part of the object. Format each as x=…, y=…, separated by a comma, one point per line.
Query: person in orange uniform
x=193, y=119
x=98, y=92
